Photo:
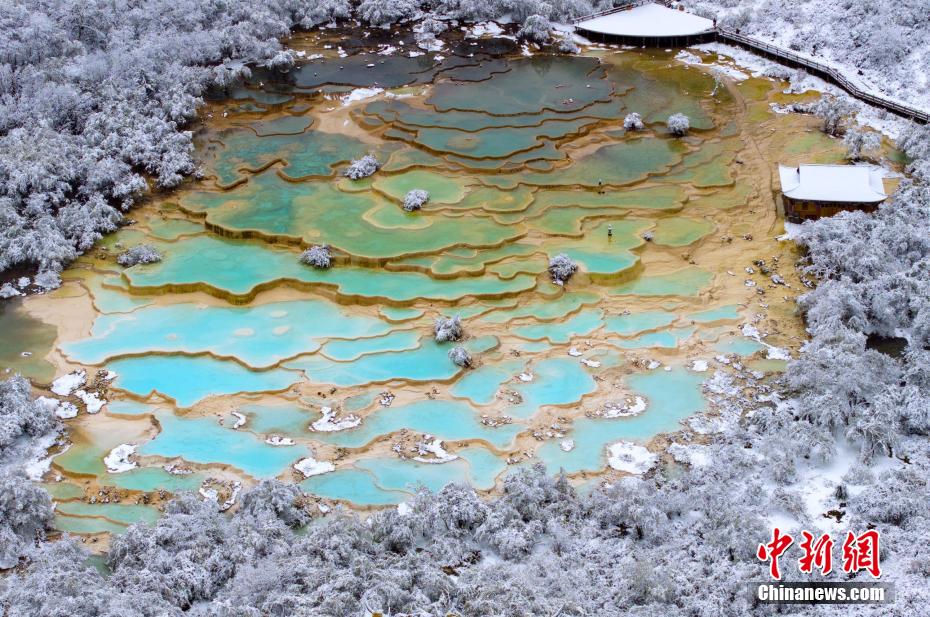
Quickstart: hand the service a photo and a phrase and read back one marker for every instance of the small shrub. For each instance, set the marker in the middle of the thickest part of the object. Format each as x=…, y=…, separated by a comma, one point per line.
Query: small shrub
x=448, y=329
x=415, y=199
x=362, y=168
x=318, y=256
x=679, y=125
x=561, y=268
x=141, y=254
x=460, y=356
x=633, y=122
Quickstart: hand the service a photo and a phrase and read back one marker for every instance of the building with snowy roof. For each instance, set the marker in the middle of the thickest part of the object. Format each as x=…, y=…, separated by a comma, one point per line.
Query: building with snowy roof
x=648, y=24
x=813, y=191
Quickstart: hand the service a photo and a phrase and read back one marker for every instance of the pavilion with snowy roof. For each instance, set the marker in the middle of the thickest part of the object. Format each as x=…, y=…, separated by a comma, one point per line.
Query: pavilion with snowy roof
x=813, y=191
x=648, y=24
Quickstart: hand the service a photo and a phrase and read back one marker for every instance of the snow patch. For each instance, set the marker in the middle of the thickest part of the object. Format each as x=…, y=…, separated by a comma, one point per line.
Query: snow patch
x=277, y=440
x=435, y=448
x=692, y=454
x=631, y=458
x=360, y=94
x=328, y=423
x=92, y=401
x=311, y=467
x=635, y=408
x=66, y=384
x=118, y=460
x=699, y=366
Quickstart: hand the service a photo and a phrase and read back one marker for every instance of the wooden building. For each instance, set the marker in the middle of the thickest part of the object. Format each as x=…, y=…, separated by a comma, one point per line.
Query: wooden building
x=813, y=191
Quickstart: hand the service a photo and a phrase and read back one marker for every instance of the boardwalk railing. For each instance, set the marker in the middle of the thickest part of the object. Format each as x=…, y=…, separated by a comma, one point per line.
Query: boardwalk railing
x=622, y=7
x=830, y=73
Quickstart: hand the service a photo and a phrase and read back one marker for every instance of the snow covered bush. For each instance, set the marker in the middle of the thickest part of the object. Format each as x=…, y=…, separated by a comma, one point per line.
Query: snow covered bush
x=48, y=280
x=8, y=291
x=431, y=25
x=678, y=125
x=386, y=12
x=536, y=28
x=915, y=142
x=310, y=14
x=282, y=61
x=25, y=514
x=415, y=199
x=859, y=142
x=561, y=268
x=276, y=500
x=834, y=111
x=318, y=256
x=448, y=329
x=633, y=122
x=20, y=415
x=362, y=168
x=140, y=254
x=568, y=46
x=460, y=356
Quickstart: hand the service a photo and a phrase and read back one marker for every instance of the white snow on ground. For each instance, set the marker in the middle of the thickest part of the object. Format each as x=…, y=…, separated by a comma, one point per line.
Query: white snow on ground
x=36, y=467
x=240, y=419
x=648, y=20
x=403, y=508
x=485, y=28
x=63, y=409
x=66, y=384
x=688, y=58
x=435, y=448
x=277, y=440
x=692, y=454
x=360, y=94
x=567, y=445
x=699, y=366
x=525, y=377
x=311, y=467
x=631, y=458
x=92, y=400
x=66, y=410
x=573, y=352
x=772, y=352
x=590, y=363
x=635, y=408
x=118, y=460
x=429, y=43
x=328, y=424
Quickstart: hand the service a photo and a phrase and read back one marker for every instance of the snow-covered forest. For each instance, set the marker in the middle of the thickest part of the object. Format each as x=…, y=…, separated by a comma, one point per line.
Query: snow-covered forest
x=96, y=96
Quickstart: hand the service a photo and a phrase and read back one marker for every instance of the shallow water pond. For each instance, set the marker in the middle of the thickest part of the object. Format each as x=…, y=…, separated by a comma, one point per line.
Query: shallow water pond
x=233, y=360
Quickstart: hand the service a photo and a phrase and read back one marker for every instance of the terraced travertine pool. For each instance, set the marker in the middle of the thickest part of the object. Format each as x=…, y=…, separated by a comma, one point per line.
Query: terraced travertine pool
x=233, y=361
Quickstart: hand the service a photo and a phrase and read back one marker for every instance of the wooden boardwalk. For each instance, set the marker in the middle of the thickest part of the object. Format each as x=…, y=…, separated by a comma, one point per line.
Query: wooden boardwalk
x=823, y=70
